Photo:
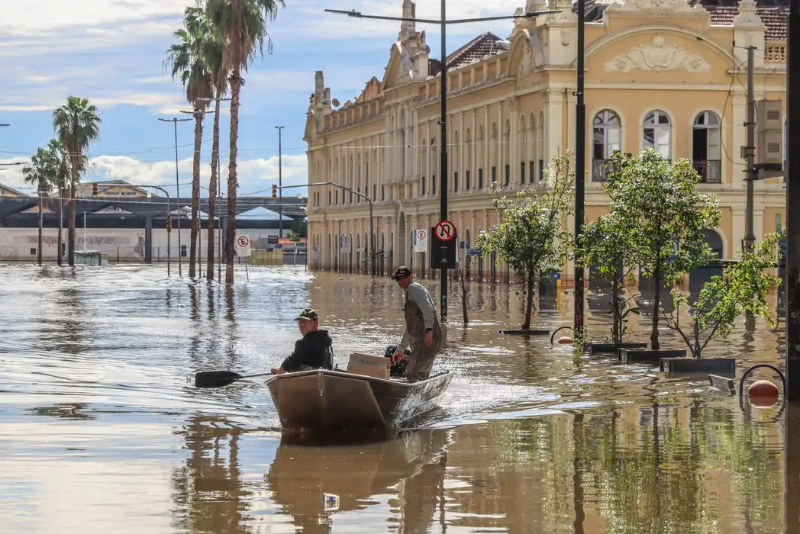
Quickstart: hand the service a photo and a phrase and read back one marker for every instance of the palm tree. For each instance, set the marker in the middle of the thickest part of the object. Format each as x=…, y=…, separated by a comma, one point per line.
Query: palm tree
x=212, y=51
x=62, y=170
x=41, y=173
x=243, y=24
x=77, y=125
x=187, y=61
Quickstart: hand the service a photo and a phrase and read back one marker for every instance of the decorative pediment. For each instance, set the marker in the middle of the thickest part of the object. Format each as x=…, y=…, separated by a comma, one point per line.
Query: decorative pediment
x=655, y=7
x=657, y=56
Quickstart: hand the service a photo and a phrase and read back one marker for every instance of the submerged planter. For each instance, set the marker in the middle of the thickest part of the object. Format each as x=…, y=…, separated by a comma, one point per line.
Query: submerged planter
x=701, y=365
x=525, y=332
x=611, y=348
x=649, y=356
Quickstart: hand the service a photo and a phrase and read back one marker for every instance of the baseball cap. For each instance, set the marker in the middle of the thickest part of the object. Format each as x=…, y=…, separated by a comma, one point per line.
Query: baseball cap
x=309, y=314
x=401, y=273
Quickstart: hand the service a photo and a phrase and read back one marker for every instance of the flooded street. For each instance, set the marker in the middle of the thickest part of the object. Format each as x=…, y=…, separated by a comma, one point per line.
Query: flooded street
x=102, y=430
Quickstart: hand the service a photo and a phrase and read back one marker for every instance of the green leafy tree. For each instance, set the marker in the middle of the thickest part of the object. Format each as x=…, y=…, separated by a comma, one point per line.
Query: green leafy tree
x=606, y=248
x=77, y=125
x=242, y=25
x=663, y=219
x=531, y=236
x=187, y=61
x=743, y=286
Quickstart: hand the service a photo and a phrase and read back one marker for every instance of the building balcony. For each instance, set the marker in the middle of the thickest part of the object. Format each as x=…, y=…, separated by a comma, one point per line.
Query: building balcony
x=710, y=171
x=599, y=171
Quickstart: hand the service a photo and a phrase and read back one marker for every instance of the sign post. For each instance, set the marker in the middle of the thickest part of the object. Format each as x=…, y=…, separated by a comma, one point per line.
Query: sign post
x=421, y=241
x=243, y=251
x=443, y=255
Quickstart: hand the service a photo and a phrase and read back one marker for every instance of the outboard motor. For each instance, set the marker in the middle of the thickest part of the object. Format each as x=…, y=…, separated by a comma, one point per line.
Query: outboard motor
x=397, y=368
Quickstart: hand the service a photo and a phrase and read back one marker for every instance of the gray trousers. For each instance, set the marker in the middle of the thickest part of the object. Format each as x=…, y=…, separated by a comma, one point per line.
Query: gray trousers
x=421, y=362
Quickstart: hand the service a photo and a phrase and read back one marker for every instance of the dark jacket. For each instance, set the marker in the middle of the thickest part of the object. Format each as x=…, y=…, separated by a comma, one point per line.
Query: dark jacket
x=314, y=350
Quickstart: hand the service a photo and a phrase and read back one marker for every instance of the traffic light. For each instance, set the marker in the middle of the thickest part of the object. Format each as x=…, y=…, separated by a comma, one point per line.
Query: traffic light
x=274, y=191
x=94, y=189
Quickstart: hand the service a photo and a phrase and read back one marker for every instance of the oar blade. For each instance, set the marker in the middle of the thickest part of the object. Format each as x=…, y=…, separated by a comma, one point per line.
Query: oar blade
x=215, y=379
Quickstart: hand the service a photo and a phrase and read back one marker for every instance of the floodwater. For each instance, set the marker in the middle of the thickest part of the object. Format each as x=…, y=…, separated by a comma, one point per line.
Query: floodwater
x=101, y=430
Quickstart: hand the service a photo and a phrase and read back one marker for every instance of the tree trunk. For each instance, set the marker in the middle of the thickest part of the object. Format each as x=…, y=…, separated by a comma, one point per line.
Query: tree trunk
x=464, y=275
x=212, y=195
x=529, y=304
x=41, y=220
x=198, y=138
x=60, y=223
x=71, y=232
x=230, y=235
x=615, y=296
x=654, y=345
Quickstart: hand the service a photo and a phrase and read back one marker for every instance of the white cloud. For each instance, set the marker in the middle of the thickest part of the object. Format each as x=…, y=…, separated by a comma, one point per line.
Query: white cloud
x=253, y=174
x=32, y=16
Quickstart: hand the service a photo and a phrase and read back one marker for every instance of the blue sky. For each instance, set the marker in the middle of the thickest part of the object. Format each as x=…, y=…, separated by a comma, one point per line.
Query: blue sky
x=112, y=52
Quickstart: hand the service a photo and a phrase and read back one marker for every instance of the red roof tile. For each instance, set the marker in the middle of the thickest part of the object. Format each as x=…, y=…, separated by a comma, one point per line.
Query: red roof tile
x=774, y=18
x=487, y=44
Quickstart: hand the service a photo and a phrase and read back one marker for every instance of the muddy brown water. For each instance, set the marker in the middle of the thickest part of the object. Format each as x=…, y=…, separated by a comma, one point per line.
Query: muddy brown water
x=102, y=431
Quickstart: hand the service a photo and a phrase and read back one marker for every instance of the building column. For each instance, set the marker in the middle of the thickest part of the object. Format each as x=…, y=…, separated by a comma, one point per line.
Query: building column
x=738, y=225
x=553, y=125
x=148, y=240
x=739, y=133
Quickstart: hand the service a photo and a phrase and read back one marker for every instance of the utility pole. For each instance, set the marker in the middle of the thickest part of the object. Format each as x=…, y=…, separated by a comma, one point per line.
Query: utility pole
x=750, y=149
x=580, y=166
x=175, y=122
x=443, y=151
x=280, y=183
x=793, y=207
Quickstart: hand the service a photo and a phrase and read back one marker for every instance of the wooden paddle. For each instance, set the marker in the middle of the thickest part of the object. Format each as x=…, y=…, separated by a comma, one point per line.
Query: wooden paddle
x=219, y=379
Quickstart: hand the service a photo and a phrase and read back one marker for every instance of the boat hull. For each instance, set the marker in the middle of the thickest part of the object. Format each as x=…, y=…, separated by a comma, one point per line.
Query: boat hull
x=322, y=400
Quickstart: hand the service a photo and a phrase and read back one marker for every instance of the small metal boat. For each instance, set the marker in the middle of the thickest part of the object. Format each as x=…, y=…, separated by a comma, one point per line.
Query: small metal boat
x=332, y=401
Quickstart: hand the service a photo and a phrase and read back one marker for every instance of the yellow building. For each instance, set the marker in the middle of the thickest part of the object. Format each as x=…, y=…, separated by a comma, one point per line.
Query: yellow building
x=659, y=73
x=6, y=191
x=112, y=188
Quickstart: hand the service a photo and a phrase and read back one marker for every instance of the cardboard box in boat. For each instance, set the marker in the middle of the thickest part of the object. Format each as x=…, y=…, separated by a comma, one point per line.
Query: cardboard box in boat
x=365, y=364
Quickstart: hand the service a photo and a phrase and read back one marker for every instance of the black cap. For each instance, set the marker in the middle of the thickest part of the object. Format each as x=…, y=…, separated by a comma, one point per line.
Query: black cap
x=401, y=272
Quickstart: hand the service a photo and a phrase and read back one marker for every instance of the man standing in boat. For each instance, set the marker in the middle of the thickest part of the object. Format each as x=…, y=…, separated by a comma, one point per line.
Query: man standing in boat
x=313, y=351
x=423, y=335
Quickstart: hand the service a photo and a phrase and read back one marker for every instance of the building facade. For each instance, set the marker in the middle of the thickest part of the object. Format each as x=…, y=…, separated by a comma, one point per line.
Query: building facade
x=661, y=74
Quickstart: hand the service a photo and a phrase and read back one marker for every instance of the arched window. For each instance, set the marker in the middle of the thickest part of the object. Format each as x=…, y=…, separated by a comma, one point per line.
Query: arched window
x=456, y=160
x=707, y=147
x=658, y=133
x=493, y=142
x=523, y=149
x=507, y=153
x=605, y=140
x=480, y=155
x=468, y=161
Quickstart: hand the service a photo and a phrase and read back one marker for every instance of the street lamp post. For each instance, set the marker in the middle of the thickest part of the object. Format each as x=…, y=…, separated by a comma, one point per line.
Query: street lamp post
x=442, y=23
x=580, y=166
x=175, y=122
x=371, y=227
x=280, y=183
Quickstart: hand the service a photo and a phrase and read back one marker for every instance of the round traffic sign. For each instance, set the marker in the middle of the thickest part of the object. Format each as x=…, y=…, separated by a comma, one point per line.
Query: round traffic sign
x=445, y=231
x=314, y=248
x=243, y=241
x=346, y=240
x=422, y=235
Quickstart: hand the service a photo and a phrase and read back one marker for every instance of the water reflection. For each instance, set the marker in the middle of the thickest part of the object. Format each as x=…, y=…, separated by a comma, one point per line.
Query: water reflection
x=209, y=495
x=403, y=476
x=530, y=437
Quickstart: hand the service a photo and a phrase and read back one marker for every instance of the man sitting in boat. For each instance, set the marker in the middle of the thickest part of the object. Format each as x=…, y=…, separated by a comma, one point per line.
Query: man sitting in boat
x=314, y=351
x=423, y=333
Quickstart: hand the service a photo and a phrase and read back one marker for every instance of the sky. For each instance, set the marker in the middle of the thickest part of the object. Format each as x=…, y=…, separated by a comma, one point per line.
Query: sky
x=112, y=52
